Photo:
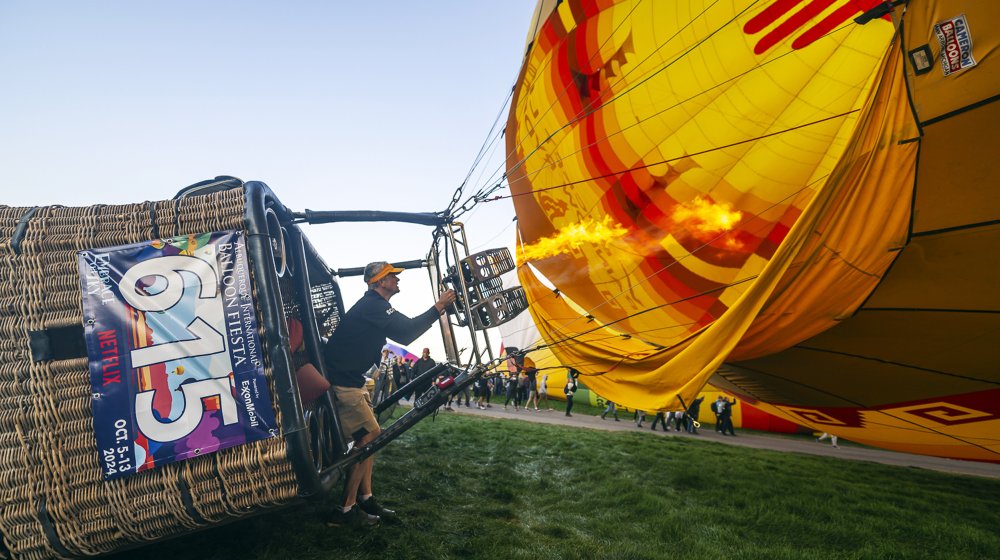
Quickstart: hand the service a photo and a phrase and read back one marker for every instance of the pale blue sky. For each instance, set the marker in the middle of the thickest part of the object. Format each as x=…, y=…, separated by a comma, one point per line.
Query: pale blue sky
x=336, y=105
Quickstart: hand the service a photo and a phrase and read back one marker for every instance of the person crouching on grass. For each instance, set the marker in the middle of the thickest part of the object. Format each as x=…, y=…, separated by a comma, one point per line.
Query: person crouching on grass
x=353, y=347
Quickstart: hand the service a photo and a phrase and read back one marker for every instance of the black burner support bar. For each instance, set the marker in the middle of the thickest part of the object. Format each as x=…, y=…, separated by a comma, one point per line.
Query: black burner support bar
x=293, y=428
x=332, y=216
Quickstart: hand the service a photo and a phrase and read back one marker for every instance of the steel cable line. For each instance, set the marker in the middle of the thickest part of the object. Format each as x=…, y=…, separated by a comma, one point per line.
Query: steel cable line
x=479, y=155
x=438, y=233
x=534, y=33
x=479, y=180
x=487, y=189
x=490, y=240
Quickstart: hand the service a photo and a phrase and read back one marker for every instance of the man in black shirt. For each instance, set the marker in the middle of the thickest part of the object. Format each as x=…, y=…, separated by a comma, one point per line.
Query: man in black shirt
x=421, y=366
x=399, y=371
x=353, y=348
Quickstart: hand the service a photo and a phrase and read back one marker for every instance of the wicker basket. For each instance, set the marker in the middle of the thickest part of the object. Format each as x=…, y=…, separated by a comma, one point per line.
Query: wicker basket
x=54, y=500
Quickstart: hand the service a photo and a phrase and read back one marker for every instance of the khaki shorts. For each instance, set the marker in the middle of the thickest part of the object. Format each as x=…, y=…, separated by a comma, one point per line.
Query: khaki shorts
x=354, y=405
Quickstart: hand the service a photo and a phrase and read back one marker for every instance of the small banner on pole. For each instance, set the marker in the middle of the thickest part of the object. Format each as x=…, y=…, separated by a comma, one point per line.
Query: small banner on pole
x=176, y=365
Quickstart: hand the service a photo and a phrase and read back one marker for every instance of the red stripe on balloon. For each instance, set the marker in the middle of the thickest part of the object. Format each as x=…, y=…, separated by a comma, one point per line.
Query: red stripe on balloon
x=828, y=24
x=769, y=15
x=791, y=24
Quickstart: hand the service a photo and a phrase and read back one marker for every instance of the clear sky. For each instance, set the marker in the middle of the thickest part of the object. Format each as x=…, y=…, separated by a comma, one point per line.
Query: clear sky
x=335, y=105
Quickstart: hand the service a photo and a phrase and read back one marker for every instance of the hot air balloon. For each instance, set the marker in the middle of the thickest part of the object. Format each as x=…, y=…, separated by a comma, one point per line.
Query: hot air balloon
x=791, y=199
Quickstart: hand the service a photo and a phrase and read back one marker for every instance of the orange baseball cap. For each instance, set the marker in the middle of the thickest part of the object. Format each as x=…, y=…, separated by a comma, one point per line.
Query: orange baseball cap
x=378, y=270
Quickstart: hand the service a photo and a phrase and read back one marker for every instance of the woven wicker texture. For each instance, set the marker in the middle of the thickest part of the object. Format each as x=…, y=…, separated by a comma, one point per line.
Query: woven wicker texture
x=53, y=499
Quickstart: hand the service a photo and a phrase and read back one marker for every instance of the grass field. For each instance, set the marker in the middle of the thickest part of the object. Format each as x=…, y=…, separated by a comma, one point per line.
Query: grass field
x=472, y=487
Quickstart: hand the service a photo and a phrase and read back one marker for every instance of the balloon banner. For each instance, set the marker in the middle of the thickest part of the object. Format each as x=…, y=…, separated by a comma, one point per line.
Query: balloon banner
x=175, y=361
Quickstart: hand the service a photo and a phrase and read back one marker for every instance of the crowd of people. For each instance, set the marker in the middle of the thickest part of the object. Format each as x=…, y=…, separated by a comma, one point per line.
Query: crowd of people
x=520, y=387
x=723, y=410
x=523, y=387
x=682, y=420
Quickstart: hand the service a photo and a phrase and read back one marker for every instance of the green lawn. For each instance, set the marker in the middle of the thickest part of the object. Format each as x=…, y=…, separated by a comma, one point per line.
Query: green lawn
x=472, y=487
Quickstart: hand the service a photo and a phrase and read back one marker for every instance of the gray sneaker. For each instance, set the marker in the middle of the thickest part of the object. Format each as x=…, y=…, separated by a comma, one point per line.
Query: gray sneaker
x=354, y=517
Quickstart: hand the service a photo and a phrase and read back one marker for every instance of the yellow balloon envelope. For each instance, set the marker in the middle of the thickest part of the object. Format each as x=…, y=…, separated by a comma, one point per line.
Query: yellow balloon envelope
x=793, y=203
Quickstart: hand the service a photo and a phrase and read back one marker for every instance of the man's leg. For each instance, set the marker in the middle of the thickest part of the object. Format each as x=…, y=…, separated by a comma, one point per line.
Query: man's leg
x=363, y=491
x=360, y=475
x=354, y=476
x=366, y=466
x=359, y=480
